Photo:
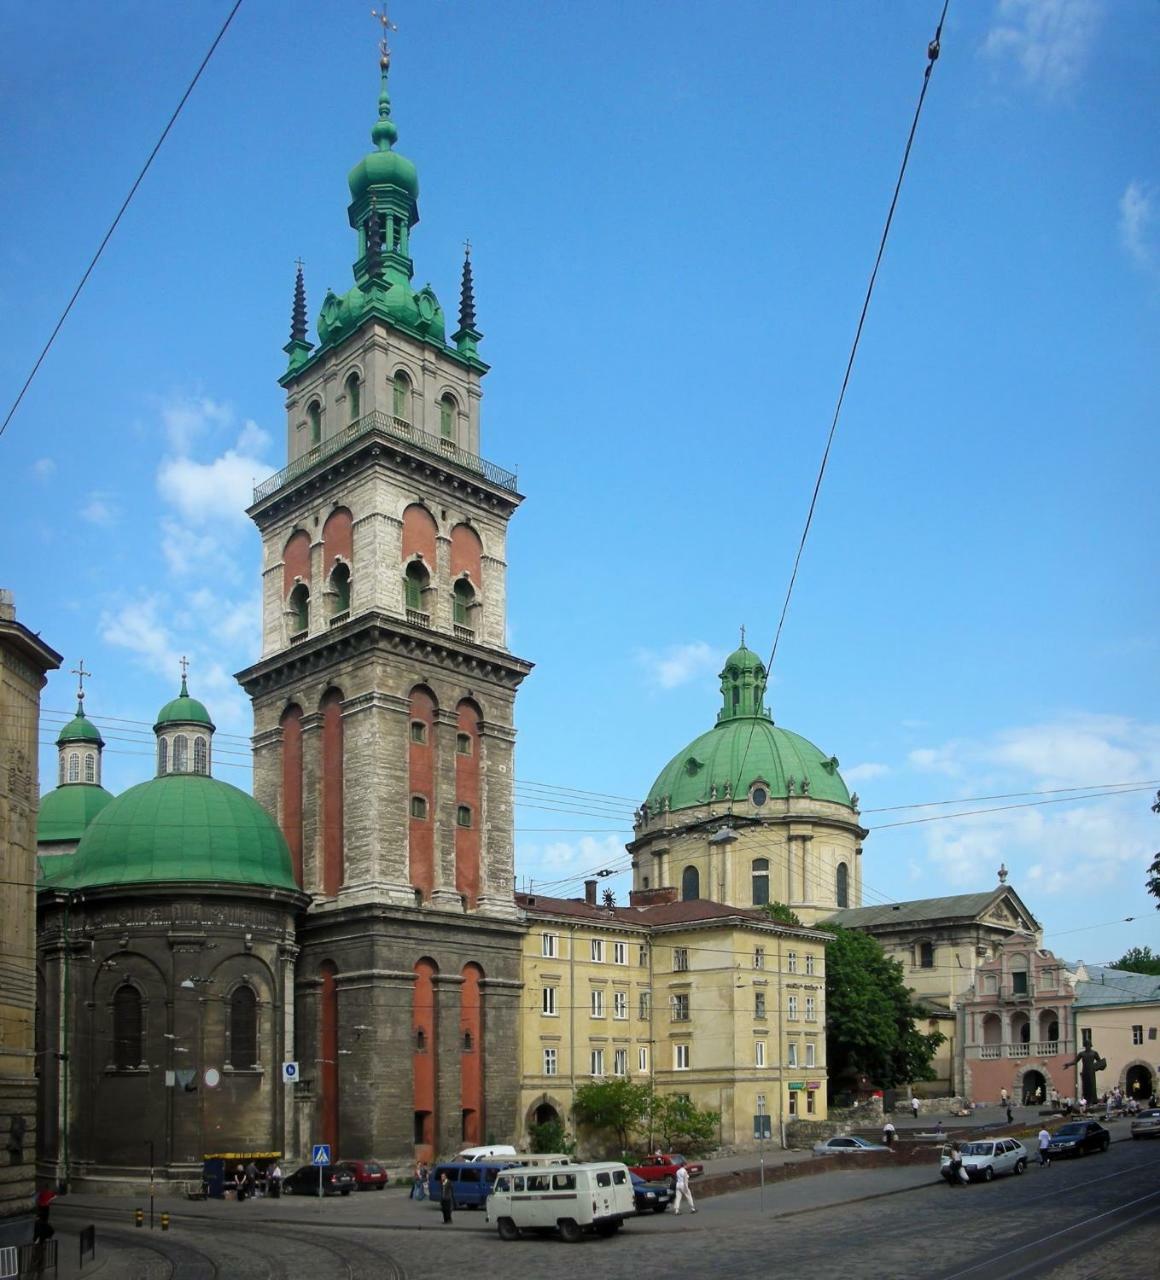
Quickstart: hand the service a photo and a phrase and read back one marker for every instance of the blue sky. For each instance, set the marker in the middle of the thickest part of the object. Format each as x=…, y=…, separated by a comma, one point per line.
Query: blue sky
x=673, y=210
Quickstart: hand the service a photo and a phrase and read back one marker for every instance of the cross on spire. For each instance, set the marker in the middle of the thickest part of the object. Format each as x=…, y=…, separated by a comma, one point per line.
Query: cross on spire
x=384, y=21
x=743, y=635
x=184, y=671
x=80, y=673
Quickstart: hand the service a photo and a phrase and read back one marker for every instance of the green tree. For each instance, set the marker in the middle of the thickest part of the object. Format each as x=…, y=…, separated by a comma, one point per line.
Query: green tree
x=870, y=1015
x=1153, y=881
x=779, y=912
x=551, y=1136
x=1138, y=960
x=616, y=1105
x=678, y=1125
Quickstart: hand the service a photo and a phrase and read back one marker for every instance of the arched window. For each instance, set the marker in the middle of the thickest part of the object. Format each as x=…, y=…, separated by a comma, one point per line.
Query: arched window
x=760, y=881
x=690, y=884
x=415, y=583
x=128, y=1026
x=464, y=599
x=74, y=766
x=299, y=608
x=242, y=1052
x=162, y=757
x=401, y=396
x=447, y=418
x=90, y=767
x=842, y=885
x=340, y=585
x=200, y=755
x=353, y=398
x=62, y=770
x=314, y=419
x=181, y=754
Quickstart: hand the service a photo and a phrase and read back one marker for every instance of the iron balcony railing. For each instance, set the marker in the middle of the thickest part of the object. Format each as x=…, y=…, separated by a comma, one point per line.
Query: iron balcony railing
x=400, y=429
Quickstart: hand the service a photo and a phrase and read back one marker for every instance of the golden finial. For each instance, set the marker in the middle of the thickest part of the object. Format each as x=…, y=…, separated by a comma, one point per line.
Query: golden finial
x=387, y=25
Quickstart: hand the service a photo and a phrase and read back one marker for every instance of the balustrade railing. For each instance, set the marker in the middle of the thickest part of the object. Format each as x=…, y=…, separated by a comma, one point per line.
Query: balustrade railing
x=400, y=429
x=418, y=619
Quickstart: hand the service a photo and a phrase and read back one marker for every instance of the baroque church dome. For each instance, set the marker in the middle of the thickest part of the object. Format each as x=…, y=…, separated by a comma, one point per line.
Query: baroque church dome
x=746, y=749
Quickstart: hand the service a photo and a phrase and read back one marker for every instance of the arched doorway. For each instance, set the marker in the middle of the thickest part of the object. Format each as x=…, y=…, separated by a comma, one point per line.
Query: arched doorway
x=1033, y=1088
x=1138, y=1082
x=545, y=1113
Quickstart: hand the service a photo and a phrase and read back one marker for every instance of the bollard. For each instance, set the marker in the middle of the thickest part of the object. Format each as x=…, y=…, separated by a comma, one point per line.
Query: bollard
x=139, y=1217
x=165, y=1222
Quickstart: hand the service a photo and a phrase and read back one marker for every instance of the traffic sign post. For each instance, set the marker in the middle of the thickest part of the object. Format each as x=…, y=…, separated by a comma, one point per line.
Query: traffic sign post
x=320, y=1155
x=762, y=1130
x=289, y=1073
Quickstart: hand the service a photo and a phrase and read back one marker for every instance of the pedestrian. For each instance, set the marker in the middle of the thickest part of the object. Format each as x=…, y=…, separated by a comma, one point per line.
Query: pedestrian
x=888, y=1133
x=683, y=1190
x=276, y=1181
x=914, y=1107
x=252, y=1179
x=1108, y=1105
x=418, y=1187
x=1010, y=1115
x=240, y=1183
x=446, y=1203
x=1044, y=1152
x=1003, y=1097
x=42, y=1230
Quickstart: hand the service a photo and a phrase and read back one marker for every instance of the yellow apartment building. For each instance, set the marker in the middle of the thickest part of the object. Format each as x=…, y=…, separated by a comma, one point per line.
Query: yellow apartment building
x=696, y=997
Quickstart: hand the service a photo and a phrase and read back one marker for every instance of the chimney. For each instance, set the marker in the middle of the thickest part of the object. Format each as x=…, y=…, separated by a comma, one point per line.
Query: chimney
x=651, y=897
x=590, y=892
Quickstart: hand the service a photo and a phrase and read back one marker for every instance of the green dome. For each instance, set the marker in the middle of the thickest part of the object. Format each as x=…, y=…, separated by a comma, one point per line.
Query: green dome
x=183, y=710
x=384, y=169
x=80, y=729
x=743, y=751
x=184, y=827
x=67, y=811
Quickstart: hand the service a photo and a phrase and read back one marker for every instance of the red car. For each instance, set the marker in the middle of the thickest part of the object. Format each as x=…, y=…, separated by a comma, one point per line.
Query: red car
x=369, y=1175
x=664, y=1167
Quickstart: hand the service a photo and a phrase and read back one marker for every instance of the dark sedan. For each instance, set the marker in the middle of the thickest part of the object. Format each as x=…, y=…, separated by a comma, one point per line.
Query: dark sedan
x=336, y=1181
x=1078, y=1138
x=650, y=1197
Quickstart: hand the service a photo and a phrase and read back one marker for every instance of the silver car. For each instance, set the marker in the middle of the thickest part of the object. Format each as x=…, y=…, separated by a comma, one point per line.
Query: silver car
x=1146, y=1124
x=846, y=1145
x=983, y=1160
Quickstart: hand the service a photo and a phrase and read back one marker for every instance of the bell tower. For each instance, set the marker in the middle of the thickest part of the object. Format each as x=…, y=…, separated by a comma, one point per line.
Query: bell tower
x=384, y=695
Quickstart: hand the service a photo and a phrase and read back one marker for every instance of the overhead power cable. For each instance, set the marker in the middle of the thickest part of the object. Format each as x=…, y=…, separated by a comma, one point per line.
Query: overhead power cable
x=120, y=213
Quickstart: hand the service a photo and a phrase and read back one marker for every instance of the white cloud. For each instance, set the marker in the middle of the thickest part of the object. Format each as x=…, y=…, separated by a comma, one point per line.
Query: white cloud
x=44, y=468
x=100, y=510
x=679, y=663
x=865, y=772
x=1138, y=224
x=1049, y=40
x=207, y=492
x=138, y=627
x=576, y=858
x=187, y=418
x=935, y=760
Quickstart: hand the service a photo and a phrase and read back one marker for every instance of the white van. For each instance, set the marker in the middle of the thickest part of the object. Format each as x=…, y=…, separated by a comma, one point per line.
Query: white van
x=571, y=1200
x=470, y=1154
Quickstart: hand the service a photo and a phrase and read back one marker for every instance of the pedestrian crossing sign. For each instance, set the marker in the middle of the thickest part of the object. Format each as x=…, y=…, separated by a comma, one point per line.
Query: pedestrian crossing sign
x=320, y=1153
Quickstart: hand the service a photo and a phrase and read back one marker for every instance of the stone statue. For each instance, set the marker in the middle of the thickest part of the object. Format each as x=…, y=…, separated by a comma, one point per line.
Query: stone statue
x=1089, y=1062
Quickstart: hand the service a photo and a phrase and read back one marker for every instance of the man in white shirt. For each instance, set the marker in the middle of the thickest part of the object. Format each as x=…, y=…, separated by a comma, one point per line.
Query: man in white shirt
x=683, y=1190
x=1044, y=1139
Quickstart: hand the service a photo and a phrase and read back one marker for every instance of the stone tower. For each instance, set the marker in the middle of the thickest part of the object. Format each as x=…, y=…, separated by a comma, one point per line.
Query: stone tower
x=384, y=699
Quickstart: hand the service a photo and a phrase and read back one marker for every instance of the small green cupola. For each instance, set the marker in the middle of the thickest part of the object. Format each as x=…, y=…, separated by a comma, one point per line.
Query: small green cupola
x=743, y=686
x=184, y=734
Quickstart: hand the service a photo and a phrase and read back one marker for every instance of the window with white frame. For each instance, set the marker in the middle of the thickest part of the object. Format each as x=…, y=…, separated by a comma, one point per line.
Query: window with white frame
x=680, y=1057
x=550, y=1061
x=759, y=1053
x=598, y=950
x=759, y=957
x=620, y=1004
x=811, y=1050
x=791, y=1054
x=550, y=945
x=620, y=953
x=643, y=1005
x=642, y=1060
x=681, y=1007
x=548, y=1004
x=596, y=1062
x=791, y=961
x=791, y=1008
x=1138, y=1035
x=681, y=959
x=620, y=1062
x=597, y=1002
x=811, y=1016
x=810, y=964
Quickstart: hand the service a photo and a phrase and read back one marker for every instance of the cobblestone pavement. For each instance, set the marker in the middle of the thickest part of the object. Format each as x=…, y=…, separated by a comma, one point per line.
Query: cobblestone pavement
x=1077, y=1220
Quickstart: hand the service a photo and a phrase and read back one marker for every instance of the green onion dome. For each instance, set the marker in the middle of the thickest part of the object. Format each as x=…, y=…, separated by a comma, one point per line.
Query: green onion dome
x=183, y=710
x=182, y=827
x=66, y=812
x=80, y=729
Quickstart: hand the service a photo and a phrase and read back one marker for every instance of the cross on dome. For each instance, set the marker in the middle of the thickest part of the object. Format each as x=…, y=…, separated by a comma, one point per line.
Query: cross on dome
x=80, y=673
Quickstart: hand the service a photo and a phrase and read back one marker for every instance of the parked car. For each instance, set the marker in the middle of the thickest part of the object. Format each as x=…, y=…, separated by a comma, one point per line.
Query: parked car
x=369, y=1175
x=846, y=1144
x=650, y=1197
x=984, y=1160
x=337, y=1180
x=1146, y=1124
x=663, y=1167
x=1078, y=1138
x=497, y=1151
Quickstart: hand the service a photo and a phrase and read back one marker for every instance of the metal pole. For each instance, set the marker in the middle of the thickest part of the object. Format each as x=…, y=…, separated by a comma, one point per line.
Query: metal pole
x=150, y=1184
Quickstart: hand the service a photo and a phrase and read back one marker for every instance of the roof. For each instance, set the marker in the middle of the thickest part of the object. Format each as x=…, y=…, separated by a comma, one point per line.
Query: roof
x=80, y=729
x=183, y=710
x=692, y=911
x=1106, y=986
x=182, y=827
x=960, y=906
x=67, y=811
